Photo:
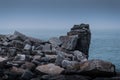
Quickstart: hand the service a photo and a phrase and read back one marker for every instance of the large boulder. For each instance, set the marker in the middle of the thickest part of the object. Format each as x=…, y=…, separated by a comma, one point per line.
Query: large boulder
x=50, y=69
x=79, y=56
x=97, y=67
x=55, y=41
x=84, y=37
x=70, y=65
x=69, y=42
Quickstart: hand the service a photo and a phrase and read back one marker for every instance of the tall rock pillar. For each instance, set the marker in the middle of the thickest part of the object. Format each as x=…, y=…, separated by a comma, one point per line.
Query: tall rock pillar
x=84, y=37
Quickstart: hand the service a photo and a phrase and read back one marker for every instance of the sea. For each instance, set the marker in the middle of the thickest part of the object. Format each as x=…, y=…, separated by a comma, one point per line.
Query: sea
x=105, y=44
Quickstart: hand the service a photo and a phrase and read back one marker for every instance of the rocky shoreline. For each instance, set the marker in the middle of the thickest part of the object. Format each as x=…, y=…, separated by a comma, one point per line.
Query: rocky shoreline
x=60, y=58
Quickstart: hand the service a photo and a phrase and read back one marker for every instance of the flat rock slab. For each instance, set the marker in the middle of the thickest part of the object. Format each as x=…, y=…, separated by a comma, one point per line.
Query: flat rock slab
x=51, y=69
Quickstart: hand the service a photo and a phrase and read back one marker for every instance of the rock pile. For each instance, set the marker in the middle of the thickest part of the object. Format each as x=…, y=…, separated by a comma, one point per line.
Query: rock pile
x=64, y=58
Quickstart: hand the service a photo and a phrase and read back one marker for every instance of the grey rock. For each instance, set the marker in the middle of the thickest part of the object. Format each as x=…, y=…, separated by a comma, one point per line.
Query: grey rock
x=18, y=71
x=69, y=42
x=20, y=35
x=50, y=69
x=5, y=43
x=47, y=48
x=27, y=75
x=28, y=65
x=60, y=58
x=70, y=65
x=27, y=47
x=55, y=41
x=17, y=44
x=2, y=59
x=11, y=52
x=51, y=58
x=84, y=37
x=97, y=67
x=79, y=56
x=20, y=57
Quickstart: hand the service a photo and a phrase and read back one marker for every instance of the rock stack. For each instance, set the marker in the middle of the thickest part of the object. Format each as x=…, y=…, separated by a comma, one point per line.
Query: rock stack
x=64, y=58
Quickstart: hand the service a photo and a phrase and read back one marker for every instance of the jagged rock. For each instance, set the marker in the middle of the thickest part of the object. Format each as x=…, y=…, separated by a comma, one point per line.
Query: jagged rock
x=17, y=44
x=79, y=56
x=55, y=41
x=2, y=59
x=69, y=42
x=97, y=67
x=20, y=57
x=60, y=58
x=18, y=71
x=28, y=47
x=50, y=69
x=28, y=65
x=51, y=58
x=20, y=35
x=5, y=43
x=27, y=75
x=47, y=48
x=70, y=65
x=11, y=52
x=84, y=37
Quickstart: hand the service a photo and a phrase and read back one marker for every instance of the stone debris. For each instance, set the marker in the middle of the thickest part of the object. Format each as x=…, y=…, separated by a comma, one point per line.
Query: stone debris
x=27, y=58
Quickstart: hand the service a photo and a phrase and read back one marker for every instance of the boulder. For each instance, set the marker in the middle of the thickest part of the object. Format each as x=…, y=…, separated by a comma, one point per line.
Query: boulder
x=79, y=56
x=50, y=69
x=2, y=59
x=27, y=47
x=20, y=35
x=69, y=42
x=97, y=67
x=70, y=65
x=27, y=75
x=20, y=57
x=47, y=48
x=17, y=44
x=28, y=65
x=18, y=71
x=55, y=41
x=60, y=58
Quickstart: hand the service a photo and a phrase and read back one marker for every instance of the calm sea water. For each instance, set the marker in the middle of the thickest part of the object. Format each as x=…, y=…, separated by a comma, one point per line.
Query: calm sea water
x=105, y=45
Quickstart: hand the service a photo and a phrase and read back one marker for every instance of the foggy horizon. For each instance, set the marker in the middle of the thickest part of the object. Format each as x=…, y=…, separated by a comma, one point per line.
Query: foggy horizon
x=27, y=15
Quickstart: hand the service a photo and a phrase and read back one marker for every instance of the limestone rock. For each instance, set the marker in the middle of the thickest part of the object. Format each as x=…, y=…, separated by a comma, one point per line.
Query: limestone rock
x=69, y=42
x=27, y=47
x=47, y=48
x=97, y=67
x=70, y=65
x=50, y=69
x=55, y=41
x=79, y=56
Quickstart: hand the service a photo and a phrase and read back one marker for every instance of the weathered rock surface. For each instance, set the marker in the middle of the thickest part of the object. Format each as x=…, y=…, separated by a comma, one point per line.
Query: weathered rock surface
x=84, y=37
x=98, y=67
x=50, y=69
x=64, y=58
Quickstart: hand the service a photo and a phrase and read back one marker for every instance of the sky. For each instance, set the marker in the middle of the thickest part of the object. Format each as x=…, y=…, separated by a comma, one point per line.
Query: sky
x=46, y=15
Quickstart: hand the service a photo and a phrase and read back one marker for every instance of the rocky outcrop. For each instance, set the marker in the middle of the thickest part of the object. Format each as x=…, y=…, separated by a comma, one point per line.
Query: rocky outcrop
x=84, y=37
x=63, y=58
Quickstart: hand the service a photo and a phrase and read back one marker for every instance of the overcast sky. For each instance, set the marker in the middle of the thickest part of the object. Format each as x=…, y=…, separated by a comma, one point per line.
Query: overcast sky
x=58, y=14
